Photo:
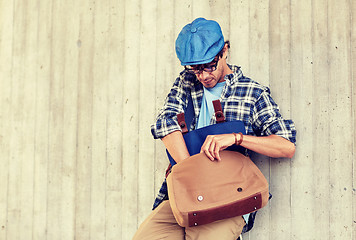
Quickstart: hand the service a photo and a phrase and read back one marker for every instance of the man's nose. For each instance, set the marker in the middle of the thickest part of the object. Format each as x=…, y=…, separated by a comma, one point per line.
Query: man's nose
x=203, y=75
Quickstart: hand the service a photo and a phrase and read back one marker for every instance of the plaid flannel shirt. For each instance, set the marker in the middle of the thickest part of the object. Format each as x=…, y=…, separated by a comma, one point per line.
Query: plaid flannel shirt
x=241, y=99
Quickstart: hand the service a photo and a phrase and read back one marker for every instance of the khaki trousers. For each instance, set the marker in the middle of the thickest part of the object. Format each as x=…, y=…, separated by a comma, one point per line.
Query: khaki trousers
x=161, y=224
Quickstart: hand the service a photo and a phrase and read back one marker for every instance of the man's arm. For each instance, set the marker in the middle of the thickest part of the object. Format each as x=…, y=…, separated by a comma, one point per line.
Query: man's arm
x=175, y=145
x=272, y=146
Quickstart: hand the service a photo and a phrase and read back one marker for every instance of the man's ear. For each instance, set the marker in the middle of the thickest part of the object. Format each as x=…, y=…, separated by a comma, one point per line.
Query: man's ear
x=226, y=49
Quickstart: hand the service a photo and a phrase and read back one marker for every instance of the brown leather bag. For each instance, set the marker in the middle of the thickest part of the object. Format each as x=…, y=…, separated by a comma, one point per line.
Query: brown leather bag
x=201, y=191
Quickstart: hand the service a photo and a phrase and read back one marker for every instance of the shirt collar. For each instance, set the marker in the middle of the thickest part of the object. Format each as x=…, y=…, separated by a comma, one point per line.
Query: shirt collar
x=234, y=77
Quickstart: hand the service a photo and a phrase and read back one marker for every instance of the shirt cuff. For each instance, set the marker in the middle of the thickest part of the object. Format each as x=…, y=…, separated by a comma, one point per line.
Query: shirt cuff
x=163, y=127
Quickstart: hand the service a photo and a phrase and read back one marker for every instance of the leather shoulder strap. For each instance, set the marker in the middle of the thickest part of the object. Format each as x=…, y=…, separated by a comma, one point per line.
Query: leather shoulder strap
x=182, y=123
x=218, y=111
x=185, y=119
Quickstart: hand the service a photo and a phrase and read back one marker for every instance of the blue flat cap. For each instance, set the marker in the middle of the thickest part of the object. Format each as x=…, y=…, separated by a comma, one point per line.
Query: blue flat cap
x=199, y=42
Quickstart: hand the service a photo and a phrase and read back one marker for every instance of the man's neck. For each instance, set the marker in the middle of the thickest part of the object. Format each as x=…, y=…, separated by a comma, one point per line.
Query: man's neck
x=226, y=71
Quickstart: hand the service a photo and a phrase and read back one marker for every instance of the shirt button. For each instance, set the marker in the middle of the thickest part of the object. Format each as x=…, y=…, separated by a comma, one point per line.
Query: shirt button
x=193, y=30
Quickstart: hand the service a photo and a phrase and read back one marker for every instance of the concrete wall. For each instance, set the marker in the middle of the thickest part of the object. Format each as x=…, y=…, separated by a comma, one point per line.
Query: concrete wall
x=82, y=81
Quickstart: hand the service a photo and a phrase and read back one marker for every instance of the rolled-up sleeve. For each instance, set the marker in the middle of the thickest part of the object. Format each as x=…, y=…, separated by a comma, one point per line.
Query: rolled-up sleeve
x=166, y=121
x=164, y=126
x=267, y=119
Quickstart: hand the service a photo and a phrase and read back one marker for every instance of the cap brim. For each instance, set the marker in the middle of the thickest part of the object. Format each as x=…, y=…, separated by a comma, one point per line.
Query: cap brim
x=198, y=62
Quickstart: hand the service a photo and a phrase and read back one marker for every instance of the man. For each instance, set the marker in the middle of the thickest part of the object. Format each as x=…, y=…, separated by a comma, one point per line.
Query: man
x=201, y=48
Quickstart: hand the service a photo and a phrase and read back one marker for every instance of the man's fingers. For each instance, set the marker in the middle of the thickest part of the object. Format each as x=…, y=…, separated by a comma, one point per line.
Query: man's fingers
x=208, y=154
x=213, y=144
x=217, y=151
x=208, y=147
x=212, y=149
x=206, y=144
x=218, y=157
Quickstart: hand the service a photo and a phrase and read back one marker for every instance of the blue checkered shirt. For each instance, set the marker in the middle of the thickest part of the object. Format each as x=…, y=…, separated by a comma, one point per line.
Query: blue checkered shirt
x=241, y=99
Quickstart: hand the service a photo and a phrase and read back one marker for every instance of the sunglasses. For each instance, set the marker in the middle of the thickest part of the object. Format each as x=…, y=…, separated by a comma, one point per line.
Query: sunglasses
x=198, y=69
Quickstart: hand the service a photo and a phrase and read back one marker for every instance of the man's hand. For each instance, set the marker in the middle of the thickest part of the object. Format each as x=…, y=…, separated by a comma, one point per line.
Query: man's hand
x=215, y=143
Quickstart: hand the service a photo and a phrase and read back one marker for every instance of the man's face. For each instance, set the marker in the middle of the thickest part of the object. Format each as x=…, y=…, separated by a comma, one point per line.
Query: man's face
x=210, y=79
x=209, y=74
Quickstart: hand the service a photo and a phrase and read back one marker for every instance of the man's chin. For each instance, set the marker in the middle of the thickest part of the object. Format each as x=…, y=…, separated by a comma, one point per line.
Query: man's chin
x=209, y=84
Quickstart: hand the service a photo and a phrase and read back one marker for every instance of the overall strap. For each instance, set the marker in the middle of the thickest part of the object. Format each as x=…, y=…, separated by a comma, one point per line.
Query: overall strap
x=218, y=111
x=182, y=123
x=189, y=112
x=185, y=119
